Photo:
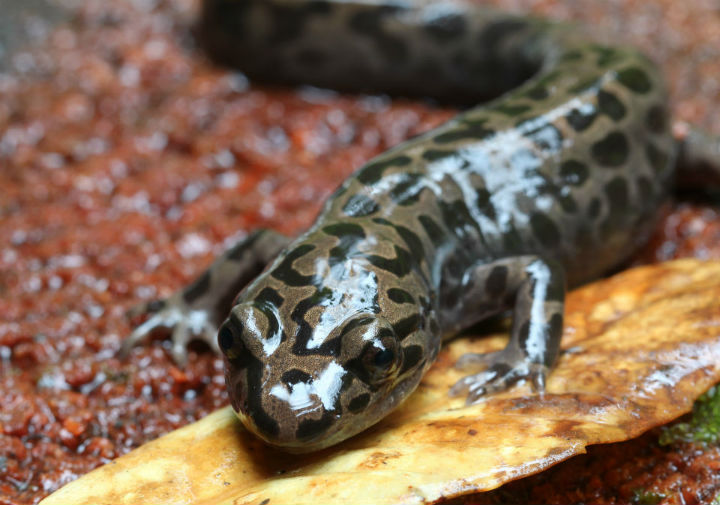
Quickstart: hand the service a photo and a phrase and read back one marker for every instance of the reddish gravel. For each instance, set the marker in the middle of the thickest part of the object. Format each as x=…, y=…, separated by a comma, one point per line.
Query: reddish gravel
x=127, y=161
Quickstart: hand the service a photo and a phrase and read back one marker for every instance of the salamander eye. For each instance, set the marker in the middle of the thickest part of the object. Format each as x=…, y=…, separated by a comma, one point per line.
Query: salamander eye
x=380, y=358
x=373, y=349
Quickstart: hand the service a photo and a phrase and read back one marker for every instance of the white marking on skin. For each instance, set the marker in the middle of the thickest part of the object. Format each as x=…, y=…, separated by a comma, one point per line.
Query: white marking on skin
x=354, y=287
x=326, y=387
x=271, y=344
x=298, y=398
x=509, y=162
x=536, y=340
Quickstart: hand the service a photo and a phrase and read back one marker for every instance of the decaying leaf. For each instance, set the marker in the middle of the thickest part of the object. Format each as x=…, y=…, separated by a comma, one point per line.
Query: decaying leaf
x=640, y=348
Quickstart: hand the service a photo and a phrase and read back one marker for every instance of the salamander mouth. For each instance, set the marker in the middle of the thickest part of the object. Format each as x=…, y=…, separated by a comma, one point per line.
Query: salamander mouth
x=306, y=425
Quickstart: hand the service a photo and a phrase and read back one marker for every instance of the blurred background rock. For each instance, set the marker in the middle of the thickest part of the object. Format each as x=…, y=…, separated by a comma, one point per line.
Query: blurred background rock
x=25, y=22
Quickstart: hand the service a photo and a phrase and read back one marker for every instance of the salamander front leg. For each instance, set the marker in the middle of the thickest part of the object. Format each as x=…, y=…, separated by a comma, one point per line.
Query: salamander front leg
x=197, y=310
x=537, y=287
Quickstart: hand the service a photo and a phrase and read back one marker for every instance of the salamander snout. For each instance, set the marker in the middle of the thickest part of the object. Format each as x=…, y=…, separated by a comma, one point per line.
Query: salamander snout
x=302, y=396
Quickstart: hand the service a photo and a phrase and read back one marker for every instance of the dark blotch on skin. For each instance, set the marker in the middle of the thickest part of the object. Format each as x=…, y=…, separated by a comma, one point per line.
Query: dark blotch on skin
x=606, y=55
x=457, y=218
x=289, y=20
x=349, y=234
x=356, y=323
x=472, y=130
x=511, y=110
x=373, y=171
x=409, y=237
x=617, y=195
x=555, y=332
x=484, y=204
x=341, y=230
x=512, y=240
x=635, y=79
x=413, y=242
x=568, y=203
x=393, y=49
x=330, y=347
x=359, y=403
x=264, y=422
x=286, y=273
x=594, y=208
x=523, y=336
x=412, y=355
x=657, y=158
x=656, y=120
x=360, y=205
x=496, y=282
x=295, y=376
x=271, y=296
x=198, y=288
x=398, y=295
x=645, y=188
x=398, y=266
x=612, y=150
x=432, y=229
x=556, y=287
x=580, y=120
x=437, y=154
x=370, y=23
x=311, y=428
x=407, y=191
x=574, y=173
x=611, y=106
x=545, y=230
x=273, y=324
x=406, y=326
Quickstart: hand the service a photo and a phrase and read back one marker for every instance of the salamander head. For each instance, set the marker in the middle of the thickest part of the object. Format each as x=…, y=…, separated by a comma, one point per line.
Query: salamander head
x=311, y=391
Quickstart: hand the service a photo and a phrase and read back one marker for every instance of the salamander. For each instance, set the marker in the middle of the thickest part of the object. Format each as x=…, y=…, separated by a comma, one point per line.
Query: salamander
x=553, y=182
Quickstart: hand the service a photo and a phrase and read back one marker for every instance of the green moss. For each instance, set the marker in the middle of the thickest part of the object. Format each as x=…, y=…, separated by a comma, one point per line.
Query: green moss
x=647, y=497
x=704, y=425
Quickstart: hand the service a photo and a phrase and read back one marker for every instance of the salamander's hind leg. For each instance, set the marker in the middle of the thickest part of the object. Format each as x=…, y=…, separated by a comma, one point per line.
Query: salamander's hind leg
x=538, y=286
x=197, y=310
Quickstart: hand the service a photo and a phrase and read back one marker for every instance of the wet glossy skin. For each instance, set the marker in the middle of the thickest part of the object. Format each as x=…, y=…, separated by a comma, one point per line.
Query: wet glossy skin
x=554, y=183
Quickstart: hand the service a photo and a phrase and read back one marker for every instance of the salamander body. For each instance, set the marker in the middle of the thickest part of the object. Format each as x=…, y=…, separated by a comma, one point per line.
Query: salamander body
x=553, y=183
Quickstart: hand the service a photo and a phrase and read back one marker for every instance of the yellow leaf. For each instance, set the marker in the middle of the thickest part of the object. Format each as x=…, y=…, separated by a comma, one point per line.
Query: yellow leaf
x=641, y=347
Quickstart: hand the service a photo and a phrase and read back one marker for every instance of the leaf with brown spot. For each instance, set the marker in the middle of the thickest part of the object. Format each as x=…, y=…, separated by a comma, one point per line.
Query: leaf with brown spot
x=644, y=345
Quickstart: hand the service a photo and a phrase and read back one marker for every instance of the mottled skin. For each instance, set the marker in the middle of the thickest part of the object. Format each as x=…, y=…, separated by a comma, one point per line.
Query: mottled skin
x=553, y=183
